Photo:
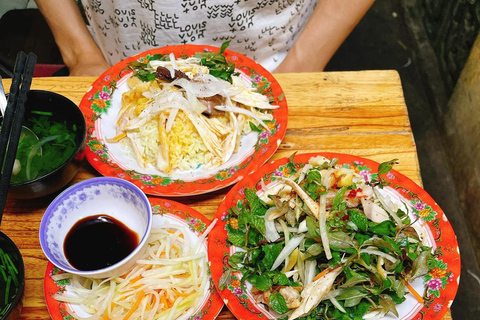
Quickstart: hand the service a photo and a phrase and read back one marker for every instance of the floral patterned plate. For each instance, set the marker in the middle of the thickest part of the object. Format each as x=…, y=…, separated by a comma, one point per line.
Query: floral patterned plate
x=102, y=102
x=164, y=210
x=439, y=285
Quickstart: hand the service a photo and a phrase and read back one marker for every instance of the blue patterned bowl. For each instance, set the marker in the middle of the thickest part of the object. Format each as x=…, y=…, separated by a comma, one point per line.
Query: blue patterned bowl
x=113, y=197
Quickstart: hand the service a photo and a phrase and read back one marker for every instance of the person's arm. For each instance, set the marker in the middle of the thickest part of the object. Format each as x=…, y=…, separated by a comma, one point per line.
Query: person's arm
x=330, y=24
x=79, y=51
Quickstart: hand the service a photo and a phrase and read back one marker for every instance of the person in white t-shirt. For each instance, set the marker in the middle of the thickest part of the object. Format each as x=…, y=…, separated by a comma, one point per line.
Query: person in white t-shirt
x=282, y=35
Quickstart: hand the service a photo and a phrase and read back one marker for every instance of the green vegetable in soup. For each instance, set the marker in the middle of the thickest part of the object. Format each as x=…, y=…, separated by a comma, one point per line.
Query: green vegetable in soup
x=54, y=146
x=9, y=282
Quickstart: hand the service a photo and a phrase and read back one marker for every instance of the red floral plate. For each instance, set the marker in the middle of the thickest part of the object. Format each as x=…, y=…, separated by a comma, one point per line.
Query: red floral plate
x=439, y=285
x=164, y=210
x=102, y=102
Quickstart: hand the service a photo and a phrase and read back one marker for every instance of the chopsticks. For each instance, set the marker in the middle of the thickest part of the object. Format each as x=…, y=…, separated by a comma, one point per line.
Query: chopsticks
x=12, y=121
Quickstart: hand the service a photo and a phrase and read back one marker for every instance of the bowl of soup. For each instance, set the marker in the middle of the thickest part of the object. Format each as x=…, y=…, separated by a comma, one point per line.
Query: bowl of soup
x=51, y=147
x=12, y=278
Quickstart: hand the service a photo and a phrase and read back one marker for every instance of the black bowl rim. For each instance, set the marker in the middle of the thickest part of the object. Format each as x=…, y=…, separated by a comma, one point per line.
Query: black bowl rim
x=81, y=145
x=21, y=287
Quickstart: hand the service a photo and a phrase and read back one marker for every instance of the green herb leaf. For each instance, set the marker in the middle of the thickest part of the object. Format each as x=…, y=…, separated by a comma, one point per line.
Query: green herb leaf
x=313, y=228
x=254, y=203
x=384, y=228
x=270, y=254
x=261, y=282
x=278, y=303
x=338, y=200
x=235, y=259
x=385, y=167
x=359, y=219
x=225, y=279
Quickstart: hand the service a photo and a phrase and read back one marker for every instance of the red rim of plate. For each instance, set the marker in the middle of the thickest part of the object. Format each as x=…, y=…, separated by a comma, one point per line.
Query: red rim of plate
x=195, y=221
x=97, y=100
x=447, y=256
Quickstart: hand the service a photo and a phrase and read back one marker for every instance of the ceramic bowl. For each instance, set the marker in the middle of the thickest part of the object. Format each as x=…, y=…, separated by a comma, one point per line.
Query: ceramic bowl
x=13, y=308
x=114, y=197
x=62, y=109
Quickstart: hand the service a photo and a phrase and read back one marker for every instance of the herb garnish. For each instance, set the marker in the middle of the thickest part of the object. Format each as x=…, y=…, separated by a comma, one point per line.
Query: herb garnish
x=374, y=260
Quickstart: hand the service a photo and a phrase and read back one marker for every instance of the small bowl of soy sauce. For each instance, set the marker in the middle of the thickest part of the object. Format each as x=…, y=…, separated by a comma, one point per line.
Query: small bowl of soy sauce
x=97, y=228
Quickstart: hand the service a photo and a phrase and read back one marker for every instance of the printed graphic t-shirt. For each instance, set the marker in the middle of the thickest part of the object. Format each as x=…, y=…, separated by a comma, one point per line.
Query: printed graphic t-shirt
x=263, y=30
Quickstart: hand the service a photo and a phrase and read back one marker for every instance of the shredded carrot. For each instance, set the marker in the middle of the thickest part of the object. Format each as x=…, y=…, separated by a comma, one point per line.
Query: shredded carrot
x=118, y=137
x=324, y=272
x=151, y=303
x=173, y=231
x=133, y=280
x=135, y=306
x=105, y=317
x=163, y=300
x=180, y=293
x=415, y=293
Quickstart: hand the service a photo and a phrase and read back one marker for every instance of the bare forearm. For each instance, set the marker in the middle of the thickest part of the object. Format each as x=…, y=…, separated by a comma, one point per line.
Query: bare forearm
x=71, y=34
x=330, y=24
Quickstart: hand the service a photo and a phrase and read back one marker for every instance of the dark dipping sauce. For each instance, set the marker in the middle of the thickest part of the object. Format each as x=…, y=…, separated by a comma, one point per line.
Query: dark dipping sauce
x=97, y=242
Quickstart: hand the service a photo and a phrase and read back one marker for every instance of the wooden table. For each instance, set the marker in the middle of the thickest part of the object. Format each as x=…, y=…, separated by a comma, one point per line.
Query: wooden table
x=359, y=113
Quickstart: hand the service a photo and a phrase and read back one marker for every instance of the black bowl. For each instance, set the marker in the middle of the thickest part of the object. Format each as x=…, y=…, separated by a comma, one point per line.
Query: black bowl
x=15, y=306
x=63, y=109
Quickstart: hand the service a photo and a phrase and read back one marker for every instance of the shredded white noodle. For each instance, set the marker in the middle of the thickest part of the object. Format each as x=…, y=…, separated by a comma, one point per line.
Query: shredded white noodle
x=168, y=282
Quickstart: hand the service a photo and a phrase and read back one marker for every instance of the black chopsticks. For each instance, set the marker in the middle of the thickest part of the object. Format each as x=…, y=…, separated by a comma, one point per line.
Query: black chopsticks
x=13, y=118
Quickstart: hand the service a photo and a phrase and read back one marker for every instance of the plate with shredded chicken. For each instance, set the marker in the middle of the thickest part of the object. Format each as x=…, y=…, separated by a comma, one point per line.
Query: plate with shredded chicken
x=183, y=120
x=333, y=236
x=171, y=281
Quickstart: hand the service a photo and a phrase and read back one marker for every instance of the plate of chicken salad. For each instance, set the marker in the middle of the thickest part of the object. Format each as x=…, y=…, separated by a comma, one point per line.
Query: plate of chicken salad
x=332, y=236
x=184, y=120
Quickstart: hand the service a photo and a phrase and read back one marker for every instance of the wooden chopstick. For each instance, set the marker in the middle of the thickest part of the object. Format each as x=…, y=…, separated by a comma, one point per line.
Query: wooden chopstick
x=13, y=119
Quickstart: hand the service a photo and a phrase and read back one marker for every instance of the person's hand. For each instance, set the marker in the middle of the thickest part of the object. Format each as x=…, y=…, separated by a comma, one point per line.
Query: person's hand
x=89, y=67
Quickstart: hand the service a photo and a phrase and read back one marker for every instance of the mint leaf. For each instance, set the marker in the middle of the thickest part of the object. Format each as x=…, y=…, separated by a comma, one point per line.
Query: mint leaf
x=261, y=282
x=278, y=303
x=254, y=203
x=271, y=252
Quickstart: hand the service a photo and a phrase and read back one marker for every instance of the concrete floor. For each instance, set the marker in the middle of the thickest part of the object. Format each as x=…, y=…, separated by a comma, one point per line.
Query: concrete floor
x=382, y=41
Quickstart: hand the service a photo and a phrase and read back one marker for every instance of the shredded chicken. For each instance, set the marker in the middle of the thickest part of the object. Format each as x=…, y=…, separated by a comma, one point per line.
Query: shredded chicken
x=218, y=110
